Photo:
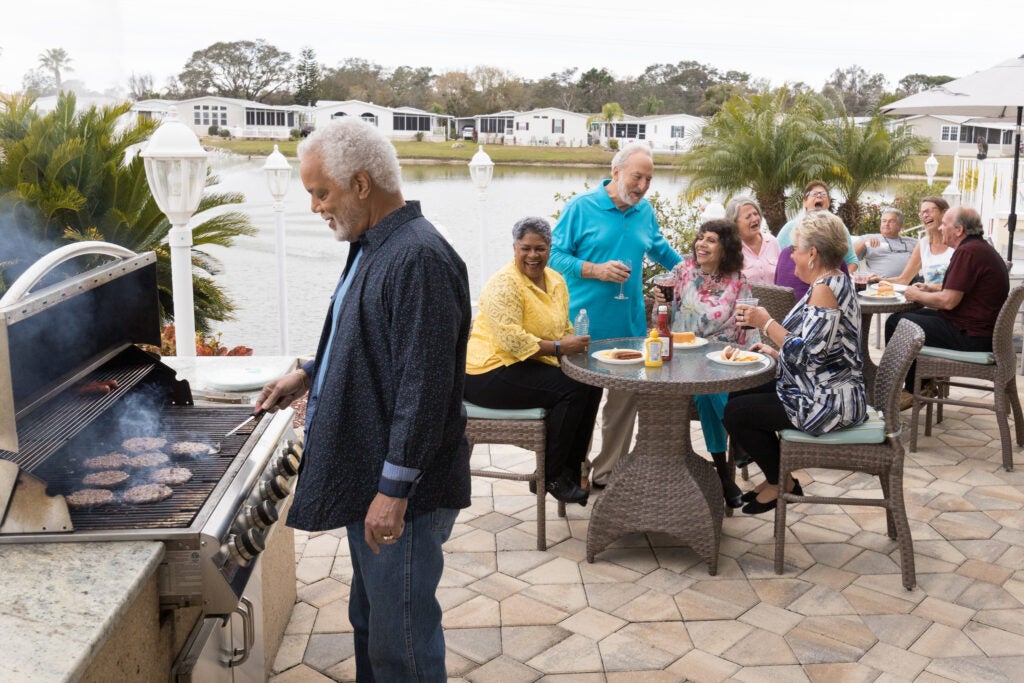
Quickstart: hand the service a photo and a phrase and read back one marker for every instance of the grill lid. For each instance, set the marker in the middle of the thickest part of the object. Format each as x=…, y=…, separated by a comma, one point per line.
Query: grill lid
x=52, y=337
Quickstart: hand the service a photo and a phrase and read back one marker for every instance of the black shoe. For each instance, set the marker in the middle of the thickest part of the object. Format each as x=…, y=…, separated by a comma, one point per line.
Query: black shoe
x=566, y=491
x=733, y=495
x=756, y=507
x=749, y=496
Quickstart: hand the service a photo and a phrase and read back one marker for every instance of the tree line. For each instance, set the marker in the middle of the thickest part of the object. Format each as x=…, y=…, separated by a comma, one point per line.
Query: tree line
x=256, y=70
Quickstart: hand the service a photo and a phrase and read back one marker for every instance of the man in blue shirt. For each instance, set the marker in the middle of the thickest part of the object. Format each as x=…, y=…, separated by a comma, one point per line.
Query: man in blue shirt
x=597, y=233
x=385, y=455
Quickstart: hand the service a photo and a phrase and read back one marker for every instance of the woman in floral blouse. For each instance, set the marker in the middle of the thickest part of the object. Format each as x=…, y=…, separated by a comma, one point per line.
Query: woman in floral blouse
x=820, y=386
x=708, y=283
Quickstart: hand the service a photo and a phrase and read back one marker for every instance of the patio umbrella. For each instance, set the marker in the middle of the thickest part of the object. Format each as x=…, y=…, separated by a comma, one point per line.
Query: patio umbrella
x=997, y=93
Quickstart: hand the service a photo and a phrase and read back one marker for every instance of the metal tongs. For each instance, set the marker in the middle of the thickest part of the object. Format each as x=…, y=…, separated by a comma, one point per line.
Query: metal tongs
x=254, y=416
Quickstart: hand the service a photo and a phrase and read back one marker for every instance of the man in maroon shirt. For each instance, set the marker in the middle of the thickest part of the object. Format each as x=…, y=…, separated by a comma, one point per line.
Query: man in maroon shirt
x=962, y=313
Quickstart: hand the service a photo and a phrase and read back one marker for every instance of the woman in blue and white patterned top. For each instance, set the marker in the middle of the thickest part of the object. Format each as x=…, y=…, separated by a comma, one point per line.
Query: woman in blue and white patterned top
x=820, y=386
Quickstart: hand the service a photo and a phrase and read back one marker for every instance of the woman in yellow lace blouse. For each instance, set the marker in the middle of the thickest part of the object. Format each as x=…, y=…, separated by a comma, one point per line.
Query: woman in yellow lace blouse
x=512, y=361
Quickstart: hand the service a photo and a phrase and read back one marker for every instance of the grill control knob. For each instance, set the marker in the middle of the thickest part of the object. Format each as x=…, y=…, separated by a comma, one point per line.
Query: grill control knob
x=247, y=545
x=274, y=489
x=287, y=465
x=294, y=447
x=258, y=516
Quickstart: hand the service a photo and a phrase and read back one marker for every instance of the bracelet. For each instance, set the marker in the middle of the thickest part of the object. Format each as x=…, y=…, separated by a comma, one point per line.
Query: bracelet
x=558, y=349
x=764, y=330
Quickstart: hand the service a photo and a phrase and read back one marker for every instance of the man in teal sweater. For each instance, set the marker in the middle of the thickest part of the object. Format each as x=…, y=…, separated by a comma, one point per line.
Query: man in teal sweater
x=597, y=233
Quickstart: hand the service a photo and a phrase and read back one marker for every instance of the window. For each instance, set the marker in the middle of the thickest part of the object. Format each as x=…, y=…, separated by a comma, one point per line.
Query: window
x=677, y=131
x=196, y=115
x=522, y=125
x=416, y=122
x=950, y=133
x=369, y=118
x=492, y=124
x=557, y=125
x=630, y=130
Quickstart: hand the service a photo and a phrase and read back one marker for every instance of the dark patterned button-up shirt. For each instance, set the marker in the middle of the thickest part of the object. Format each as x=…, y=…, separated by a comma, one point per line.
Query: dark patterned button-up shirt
x=390, y=403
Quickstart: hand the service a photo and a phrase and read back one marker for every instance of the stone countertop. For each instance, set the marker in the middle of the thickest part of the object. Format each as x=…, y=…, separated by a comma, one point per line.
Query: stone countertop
x=62, y=601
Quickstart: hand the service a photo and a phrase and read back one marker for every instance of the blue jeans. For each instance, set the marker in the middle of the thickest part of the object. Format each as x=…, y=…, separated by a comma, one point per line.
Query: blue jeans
x=392, y=604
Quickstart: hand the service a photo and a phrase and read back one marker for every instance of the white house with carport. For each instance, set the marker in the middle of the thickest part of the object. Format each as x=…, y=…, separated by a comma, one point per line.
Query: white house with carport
x=550, y=126
x=242, y=118
x=396, y=123
x=672, y=132
x=949, y=135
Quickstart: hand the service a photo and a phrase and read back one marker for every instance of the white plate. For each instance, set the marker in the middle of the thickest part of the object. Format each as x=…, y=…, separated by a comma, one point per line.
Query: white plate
x=695, y=344
x=898, y=288
x=716, y=356
x=878, y=297
x=600, y=355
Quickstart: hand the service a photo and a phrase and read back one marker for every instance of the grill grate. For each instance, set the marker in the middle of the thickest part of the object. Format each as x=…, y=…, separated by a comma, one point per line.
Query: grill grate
x=56, y=438
x=63, y=471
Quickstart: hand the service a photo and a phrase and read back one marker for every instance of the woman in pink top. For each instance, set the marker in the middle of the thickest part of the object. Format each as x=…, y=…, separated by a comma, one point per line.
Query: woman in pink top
x=760, y=249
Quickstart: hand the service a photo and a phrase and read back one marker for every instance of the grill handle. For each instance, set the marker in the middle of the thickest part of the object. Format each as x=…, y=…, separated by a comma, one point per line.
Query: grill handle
x=248, y=631
x=38, y=270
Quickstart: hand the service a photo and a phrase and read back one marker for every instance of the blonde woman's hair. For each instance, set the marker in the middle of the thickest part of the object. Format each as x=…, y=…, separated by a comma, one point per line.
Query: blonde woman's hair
x=826, y=233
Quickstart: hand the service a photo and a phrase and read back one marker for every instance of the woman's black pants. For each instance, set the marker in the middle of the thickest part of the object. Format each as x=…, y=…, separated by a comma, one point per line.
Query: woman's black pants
x=753, y=419
x=571, y=408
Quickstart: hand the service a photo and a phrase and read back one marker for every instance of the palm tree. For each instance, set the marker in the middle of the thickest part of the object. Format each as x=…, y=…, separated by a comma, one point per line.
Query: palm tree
x=768, y=143
x=863, y=156
x=66, y=178
x=56, y=59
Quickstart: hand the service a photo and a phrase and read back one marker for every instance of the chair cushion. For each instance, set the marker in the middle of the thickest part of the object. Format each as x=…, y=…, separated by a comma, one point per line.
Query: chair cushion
x=871, y=430
x=476, y=412
x=979, y=357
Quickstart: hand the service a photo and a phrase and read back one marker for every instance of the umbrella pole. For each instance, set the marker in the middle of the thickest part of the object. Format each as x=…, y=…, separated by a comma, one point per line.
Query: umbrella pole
x=1011, y=221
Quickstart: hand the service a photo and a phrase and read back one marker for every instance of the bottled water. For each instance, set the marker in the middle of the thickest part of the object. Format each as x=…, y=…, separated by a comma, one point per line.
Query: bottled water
x=582, y=323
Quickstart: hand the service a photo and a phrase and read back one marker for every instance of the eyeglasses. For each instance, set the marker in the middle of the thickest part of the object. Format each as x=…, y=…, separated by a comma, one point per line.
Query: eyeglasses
x=903, y=246
x=816, y=193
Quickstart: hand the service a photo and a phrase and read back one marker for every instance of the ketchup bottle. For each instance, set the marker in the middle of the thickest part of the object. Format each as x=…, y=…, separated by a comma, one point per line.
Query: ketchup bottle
x=665, y=333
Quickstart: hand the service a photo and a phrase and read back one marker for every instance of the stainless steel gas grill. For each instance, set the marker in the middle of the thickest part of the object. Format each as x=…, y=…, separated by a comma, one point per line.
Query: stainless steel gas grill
x=74, y=384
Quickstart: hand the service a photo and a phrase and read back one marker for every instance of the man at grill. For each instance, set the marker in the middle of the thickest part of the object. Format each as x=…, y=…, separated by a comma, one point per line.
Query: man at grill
x=385, y=455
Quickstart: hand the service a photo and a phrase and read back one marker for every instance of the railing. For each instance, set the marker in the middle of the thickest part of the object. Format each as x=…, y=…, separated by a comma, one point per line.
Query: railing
x=984, y=185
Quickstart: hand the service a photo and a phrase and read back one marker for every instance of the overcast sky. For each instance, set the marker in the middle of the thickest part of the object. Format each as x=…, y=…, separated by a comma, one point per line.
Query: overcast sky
x=780, y=40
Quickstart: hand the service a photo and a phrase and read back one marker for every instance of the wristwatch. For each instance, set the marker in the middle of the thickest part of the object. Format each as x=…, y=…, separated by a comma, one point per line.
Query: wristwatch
x=558, y=349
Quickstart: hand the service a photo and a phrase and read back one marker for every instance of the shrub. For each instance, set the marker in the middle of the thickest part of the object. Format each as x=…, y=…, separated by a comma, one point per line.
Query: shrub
x=419, y=136
x=212, y=130
x=613, y=144
x=224, y=133
x=294, y=134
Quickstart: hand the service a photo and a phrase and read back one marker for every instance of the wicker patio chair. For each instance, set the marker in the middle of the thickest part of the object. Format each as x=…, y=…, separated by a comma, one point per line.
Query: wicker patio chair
x=873, y=447
x=999, y=368
x=779, y=301
x=522, y=428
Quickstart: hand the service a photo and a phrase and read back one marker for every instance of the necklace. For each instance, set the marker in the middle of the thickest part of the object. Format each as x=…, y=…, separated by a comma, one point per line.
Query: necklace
x=711, y=279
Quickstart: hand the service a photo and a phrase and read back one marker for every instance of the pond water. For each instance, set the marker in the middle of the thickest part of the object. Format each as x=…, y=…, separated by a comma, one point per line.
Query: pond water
x=314, y=259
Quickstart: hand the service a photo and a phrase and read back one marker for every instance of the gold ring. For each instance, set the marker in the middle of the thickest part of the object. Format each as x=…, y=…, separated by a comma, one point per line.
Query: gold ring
x=387, y=537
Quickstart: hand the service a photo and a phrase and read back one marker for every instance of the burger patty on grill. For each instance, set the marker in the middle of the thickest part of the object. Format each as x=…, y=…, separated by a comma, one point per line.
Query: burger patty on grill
x=191, y=449
x=148, y=460
x=172, y=476
x=106, y=478
x=110, y=461
x=84, y=498
x=147, y=493
x=141, y=444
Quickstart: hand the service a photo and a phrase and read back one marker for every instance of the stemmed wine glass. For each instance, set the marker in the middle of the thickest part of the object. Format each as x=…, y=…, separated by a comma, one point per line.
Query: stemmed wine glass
x=629, y=264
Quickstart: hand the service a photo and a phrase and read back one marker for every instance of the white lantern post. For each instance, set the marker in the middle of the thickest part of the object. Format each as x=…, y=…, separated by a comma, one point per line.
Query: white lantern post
x=481, y=170
x=279, y=173
x=176, y=171
x=931, y=166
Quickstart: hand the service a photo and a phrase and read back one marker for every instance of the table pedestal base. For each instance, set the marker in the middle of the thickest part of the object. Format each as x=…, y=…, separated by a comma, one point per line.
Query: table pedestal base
x=661, y=486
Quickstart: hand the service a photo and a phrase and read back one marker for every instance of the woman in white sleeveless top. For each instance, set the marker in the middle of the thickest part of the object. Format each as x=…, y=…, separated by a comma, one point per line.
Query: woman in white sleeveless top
x=931, y=256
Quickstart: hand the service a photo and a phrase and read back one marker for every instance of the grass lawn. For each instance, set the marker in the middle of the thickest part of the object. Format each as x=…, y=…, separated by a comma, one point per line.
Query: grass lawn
x=501, y=154
x=443, y=151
